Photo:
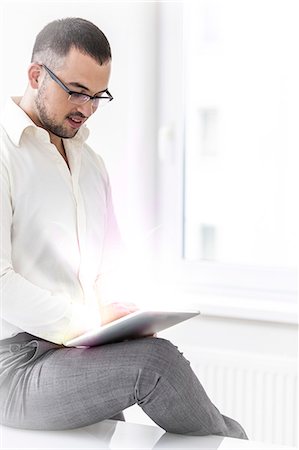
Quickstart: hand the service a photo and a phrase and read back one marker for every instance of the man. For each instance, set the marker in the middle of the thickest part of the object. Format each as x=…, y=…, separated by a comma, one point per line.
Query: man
x=59, y=235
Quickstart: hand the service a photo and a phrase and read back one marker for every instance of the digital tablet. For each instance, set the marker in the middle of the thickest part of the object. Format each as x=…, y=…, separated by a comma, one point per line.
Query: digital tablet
x=140, y=323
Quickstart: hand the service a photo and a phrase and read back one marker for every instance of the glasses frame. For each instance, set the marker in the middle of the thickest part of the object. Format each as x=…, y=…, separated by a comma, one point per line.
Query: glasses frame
x=92, y=98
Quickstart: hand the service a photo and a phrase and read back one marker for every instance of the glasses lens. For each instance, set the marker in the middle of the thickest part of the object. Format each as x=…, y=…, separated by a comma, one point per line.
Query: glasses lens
x=78, y=99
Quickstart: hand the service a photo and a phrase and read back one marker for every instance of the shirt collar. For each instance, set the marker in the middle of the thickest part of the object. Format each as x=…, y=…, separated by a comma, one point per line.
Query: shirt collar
x=16, y=121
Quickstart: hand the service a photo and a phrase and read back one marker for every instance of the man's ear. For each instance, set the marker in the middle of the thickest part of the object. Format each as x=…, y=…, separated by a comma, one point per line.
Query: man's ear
x=34, y=75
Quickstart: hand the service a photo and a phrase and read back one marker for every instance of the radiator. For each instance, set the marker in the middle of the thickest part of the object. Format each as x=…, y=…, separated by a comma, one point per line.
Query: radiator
x=260, y=392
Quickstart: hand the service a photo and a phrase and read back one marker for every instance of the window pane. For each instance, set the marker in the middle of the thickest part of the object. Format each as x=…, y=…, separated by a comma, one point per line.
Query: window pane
x=241, y=144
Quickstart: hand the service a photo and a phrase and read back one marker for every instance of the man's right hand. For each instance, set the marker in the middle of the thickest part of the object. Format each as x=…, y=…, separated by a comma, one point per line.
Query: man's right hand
x=116, y=310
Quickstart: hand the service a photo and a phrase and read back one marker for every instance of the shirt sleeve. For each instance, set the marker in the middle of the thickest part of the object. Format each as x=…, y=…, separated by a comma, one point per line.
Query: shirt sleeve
x=38, y=311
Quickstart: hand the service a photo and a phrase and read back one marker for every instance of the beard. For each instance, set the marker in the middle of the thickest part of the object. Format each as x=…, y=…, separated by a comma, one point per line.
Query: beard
x=47, y=122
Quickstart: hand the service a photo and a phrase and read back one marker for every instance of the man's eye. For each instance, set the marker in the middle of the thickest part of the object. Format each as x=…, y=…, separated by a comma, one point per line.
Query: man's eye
x=79, y=97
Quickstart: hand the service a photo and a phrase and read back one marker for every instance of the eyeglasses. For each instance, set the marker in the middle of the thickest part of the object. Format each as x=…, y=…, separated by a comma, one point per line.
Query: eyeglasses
x=77, y=98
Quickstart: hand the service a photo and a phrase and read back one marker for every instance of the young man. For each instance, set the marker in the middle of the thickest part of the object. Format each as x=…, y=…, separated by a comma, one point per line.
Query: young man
x=58, y=235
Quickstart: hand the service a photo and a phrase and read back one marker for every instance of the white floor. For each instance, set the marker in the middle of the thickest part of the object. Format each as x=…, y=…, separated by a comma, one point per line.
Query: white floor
x=115, y=435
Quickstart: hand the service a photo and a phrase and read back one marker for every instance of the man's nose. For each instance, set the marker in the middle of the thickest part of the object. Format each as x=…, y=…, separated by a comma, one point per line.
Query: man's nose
x=86, y=109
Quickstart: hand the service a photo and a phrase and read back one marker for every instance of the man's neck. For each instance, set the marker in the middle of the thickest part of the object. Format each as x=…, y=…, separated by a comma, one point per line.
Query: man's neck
x=26, y=104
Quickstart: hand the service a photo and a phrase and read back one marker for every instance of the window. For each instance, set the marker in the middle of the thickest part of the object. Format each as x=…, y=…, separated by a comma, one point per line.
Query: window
x=237, y=150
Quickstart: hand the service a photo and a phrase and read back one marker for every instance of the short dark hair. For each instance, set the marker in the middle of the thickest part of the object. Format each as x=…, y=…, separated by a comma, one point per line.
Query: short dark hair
x=57, y=38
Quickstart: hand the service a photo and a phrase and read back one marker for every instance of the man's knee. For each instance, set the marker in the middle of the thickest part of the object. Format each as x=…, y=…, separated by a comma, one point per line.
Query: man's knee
x=161, y=354
x=158, y=356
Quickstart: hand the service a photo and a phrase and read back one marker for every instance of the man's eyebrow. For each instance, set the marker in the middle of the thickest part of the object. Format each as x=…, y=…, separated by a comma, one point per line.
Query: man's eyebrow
x=81, y=86
x=78, y=85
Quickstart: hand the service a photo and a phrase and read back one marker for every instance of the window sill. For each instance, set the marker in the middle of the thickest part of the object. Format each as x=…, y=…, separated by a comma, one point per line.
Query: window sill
x=242, y=308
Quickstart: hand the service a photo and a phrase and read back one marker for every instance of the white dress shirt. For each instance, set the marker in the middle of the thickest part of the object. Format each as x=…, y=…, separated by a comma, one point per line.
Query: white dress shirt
x=58, y=230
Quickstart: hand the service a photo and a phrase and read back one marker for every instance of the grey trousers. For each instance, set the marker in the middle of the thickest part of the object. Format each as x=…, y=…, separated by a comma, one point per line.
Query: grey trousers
x=51, y=387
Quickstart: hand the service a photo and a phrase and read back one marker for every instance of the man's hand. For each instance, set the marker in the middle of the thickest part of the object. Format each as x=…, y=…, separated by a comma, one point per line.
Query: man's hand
x=116, y=310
